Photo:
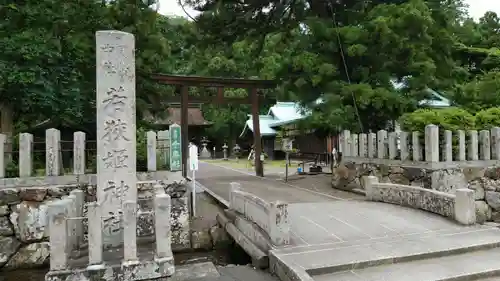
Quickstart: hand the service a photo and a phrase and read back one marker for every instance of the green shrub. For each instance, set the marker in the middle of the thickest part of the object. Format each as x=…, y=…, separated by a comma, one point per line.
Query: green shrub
x=488, y=118
x=447, y=119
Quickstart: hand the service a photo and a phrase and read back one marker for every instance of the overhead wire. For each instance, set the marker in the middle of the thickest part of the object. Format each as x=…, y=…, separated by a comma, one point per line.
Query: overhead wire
x=346, y=69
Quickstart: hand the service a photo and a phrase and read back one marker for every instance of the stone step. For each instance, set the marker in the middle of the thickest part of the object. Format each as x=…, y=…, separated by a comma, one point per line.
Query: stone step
x=466, y=266
x=322, y=259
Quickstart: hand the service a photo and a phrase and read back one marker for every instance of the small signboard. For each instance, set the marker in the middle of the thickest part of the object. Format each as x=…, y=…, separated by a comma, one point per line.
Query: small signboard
x=193, y=157
x=287, y=144
x=175, y=148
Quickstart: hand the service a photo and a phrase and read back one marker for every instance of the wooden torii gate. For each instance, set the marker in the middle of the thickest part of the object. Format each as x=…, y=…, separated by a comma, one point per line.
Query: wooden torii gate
x=184, y=82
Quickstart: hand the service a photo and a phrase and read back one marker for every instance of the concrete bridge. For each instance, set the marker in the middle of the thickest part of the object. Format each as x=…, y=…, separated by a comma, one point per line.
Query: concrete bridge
x=325, y=234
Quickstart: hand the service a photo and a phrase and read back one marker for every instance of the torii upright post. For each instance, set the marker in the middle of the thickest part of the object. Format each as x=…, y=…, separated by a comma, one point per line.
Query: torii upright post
x=259, y=171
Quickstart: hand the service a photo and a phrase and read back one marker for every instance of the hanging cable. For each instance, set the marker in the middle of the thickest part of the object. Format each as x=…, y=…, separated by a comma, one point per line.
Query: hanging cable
x=346, y=70
x=185, y=12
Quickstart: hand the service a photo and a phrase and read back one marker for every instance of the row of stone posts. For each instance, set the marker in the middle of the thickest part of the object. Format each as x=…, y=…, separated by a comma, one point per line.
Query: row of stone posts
x=482, y=145
x=53, y=155
x=66, y=229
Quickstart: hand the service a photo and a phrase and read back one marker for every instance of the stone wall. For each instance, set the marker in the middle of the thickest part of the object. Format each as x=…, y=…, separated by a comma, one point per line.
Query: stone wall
x=485, y=181
x=24, y=220
x=459, y=205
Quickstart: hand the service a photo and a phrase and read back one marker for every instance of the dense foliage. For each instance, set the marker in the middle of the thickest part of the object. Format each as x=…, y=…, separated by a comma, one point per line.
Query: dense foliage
x=346, y=53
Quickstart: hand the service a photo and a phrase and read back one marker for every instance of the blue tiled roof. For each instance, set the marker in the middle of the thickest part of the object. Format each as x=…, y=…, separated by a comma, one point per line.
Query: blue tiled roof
x=436, y=99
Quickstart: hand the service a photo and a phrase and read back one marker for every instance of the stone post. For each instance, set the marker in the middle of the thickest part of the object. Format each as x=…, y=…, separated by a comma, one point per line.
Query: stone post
x=71, y=225
x=52, y=152
x=473, y=145
x=79, y=153
x=393, y=149
x=279, y=224
x=485, y=148
x=362, y=145
x=163, y=231
x=95, y=234
x=224, y=149
x=372, y=145
x=151, y=150
x=345, y=146
x=403, y=146
x=495, y=142
x=234, y=186
x=448, y=146
x=3, y=139
x=465, y=207
x=79, y=202
x=130, y=230
x=369, y=181
x=381, y=144
x=25, y=155
x=58, y=235
x=354, y=145
x=461, y=145
x=116, y=129
x=431, y=143
x=415, y=146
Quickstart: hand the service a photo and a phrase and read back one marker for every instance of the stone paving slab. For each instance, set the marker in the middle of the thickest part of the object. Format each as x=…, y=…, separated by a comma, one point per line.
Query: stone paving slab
x=473, y=265
x=316, y=188
x=344, y=256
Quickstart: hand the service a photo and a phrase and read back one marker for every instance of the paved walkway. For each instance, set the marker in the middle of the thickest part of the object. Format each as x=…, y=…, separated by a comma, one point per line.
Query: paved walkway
x=217, y=179
x=339, y=236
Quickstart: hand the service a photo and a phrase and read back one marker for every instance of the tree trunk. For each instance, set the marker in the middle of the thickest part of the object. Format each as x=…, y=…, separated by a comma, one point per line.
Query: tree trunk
x=7, y=128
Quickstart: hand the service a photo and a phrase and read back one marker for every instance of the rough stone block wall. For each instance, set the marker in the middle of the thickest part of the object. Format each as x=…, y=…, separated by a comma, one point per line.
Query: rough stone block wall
x=485, y=181
x=24, y=221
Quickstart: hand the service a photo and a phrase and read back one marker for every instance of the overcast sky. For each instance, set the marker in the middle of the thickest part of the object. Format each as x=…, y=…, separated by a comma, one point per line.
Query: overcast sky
x=477, y=7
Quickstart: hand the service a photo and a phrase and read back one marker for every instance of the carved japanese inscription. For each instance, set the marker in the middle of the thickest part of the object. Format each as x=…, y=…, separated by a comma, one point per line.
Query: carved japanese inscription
x=116, y=130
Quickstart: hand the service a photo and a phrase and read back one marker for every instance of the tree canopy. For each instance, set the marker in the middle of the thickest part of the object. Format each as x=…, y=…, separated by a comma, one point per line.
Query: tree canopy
x=348, y=54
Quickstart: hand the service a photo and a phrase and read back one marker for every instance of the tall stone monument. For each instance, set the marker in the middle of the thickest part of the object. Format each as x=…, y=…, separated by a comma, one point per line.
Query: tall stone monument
x=116, y=130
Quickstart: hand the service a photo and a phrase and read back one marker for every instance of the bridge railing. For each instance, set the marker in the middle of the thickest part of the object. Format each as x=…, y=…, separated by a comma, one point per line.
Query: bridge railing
x=272, y=217
x=459, y=206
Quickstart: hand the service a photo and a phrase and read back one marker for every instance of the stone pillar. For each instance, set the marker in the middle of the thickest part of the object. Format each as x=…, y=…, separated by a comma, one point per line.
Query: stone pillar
x=151, y=150
x=71, y=223
x=116, y=129
x=354, y=145
x=233, y=187
x=448, y=146
x=52, y=152
x=473, y=145
x=372, y=145
x=279, y=224
x=403, y=146
x=465, y=207
x=393, y=149
x=345, y=146
x=79, y=153
x=495, y=142
x=163, y=145
x=369, y=181
x=415, y=146
x=79, y=202
x=25, y=155
x=362, y=145
x=163, y=231
x=3, y=139
x=461, y=145
x=381, y=144
x=431, y=143
x=58, y=235
x=94, y=233
x=224, y=149
x=130, y=230
x=485, y=148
